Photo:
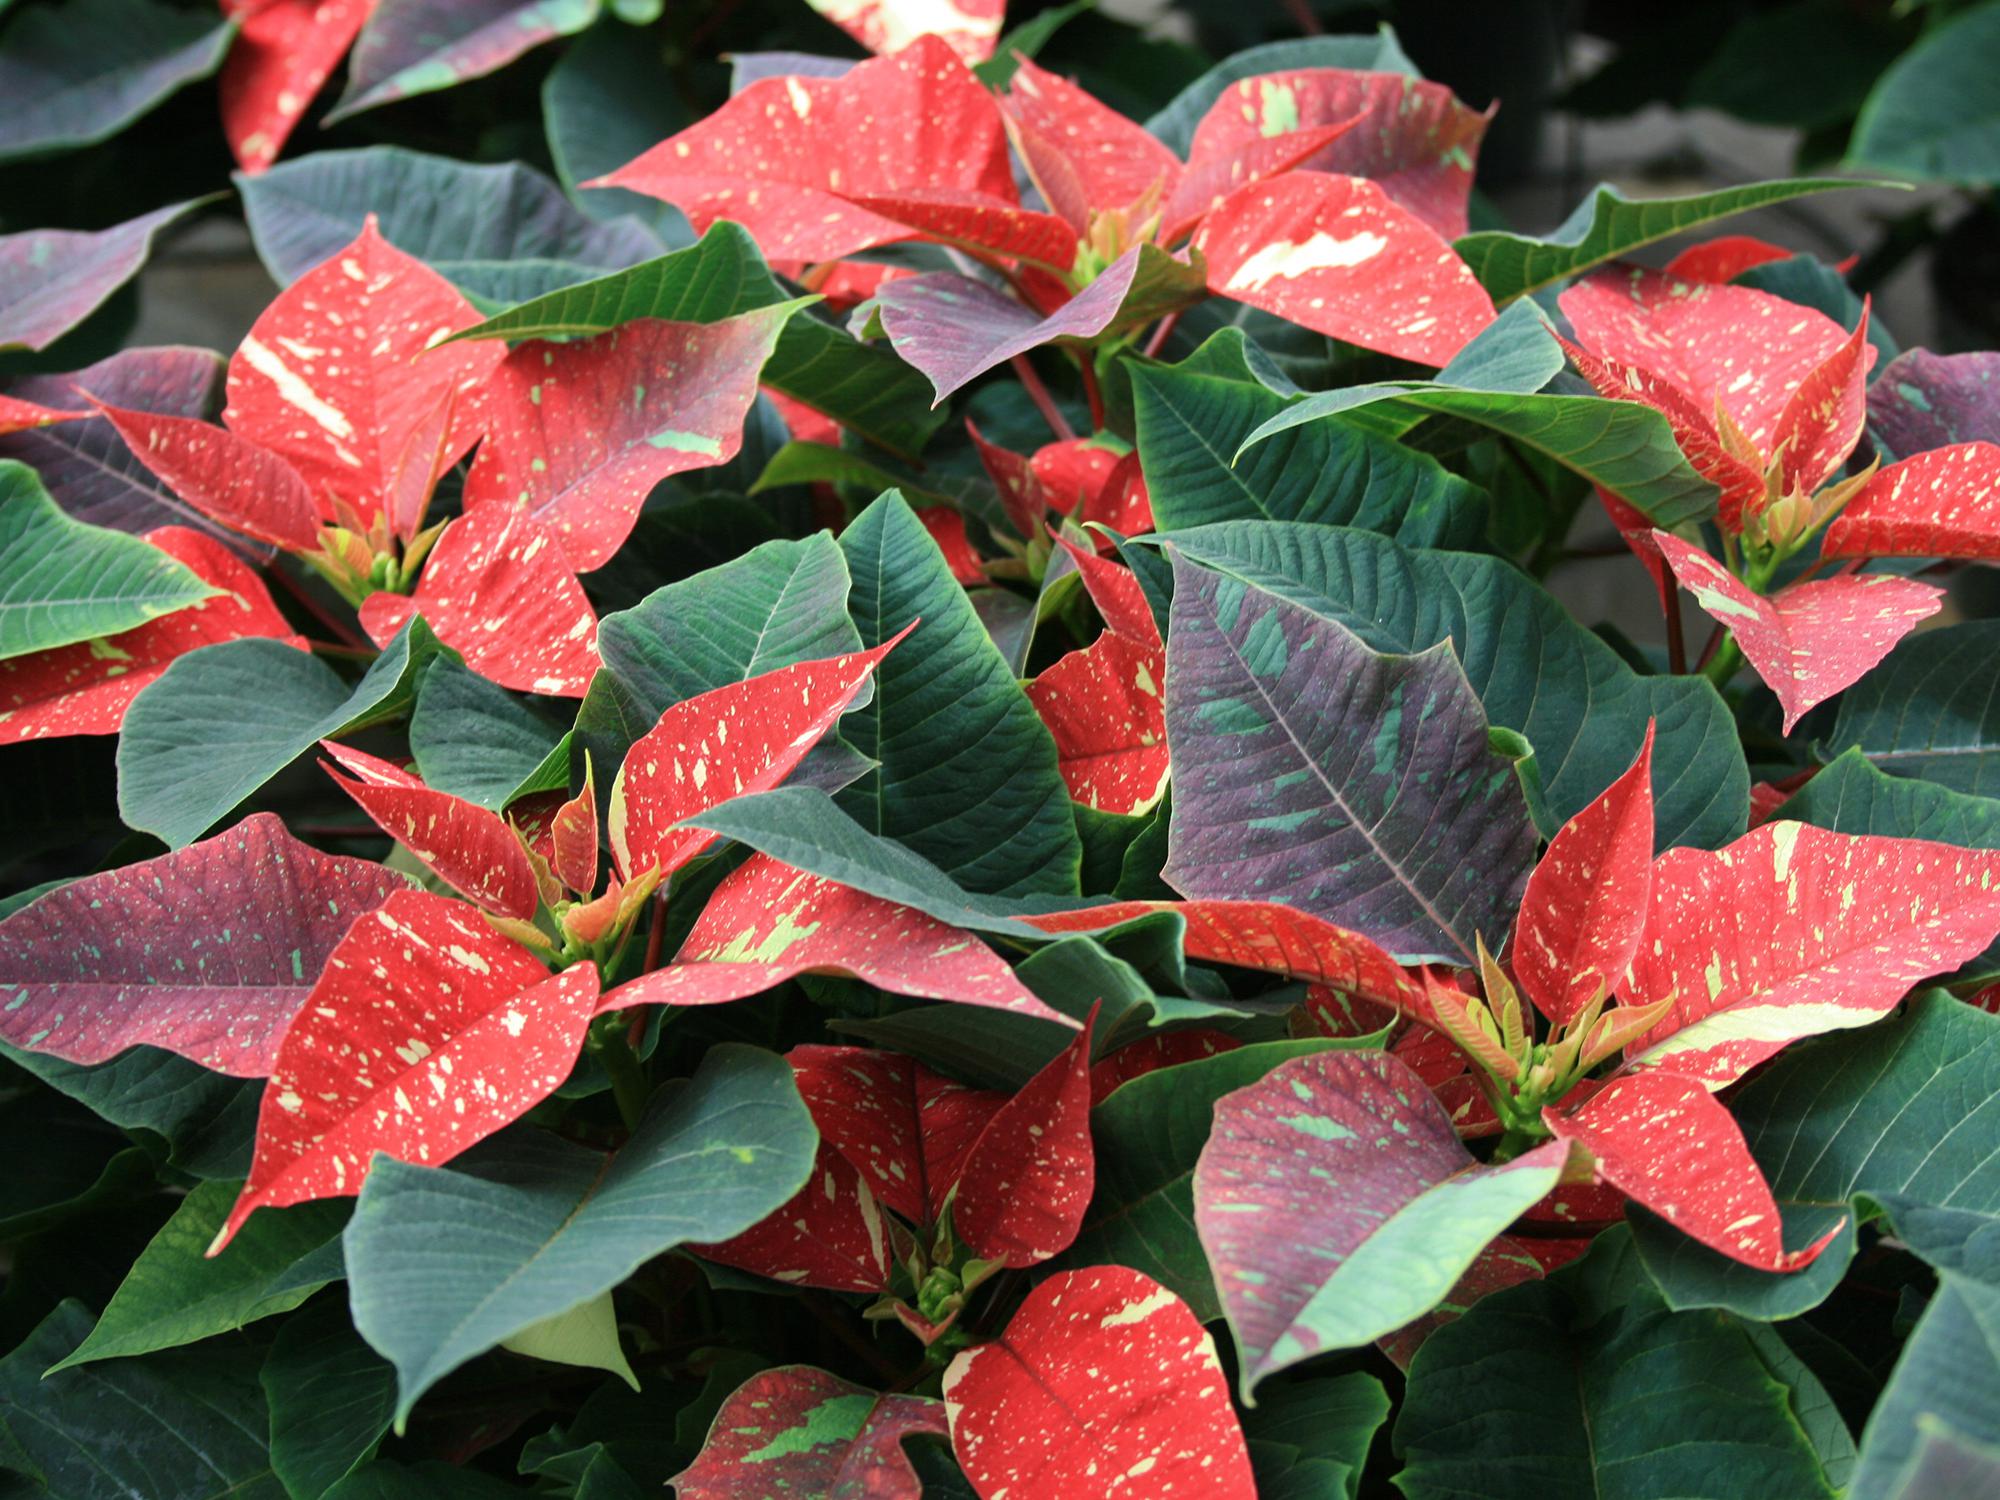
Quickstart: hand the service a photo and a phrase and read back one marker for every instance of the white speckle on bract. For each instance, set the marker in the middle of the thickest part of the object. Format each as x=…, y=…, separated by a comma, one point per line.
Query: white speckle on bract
x=1322, y=252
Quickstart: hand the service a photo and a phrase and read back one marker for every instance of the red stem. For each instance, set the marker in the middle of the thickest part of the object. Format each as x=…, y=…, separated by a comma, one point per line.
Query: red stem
x=1677, y=651
x=1088, y=365
x=1301, y=12
x=1162, y=331
x=1044, y=402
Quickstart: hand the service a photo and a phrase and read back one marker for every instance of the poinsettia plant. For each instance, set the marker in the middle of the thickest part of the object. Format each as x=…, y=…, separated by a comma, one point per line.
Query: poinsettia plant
x=902, y=794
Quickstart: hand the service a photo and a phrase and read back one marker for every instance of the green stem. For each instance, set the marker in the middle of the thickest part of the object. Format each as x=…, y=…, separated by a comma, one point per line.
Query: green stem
x=1725, y=663
x=1514, y=1143
x=621, y=1066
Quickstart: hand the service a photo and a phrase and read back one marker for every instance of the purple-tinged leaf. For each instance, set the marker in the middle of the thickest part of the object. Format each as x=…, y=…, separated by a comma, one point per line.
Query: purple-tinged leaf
x=1336, y=1204
x=87, y=467
x=800, y=1431
x=1312, y=771
x=207, y=952
x=52, y=279
x=954, y=328
x=1924, y=400
x=418, y=46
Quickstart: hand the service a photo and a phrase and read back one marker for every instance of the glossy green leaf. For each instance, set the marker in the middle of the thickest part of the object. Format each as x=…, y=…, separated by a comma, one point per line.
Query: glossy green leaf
x=1623, y=446
x=1193, y=419
x=174, y=1296
x=1933, y=114
x=777, y=604
x=1607, y=225
x=184, y=1425
x=62, y=581
x=1309, y=1439
x=861, y=386
x=206, y=1119
x=474, y=739
x=79, y=74
x=603, y=103
x=1947, y=1381
x=1607, y=1395
x=331, y=1398
x=222, y=721
x=1535, y=669
x=1931, y=709
x=444, y=1264
x=967, y=775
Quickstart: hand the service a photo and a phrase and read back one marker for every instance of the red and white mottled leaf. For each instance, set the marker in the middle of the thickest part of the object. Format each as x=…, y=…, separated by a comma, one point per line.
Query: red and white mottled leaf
x=426, y=1032
x=1724, y=258
x=1809, y=640
x=1112, y=162
x=799, y=1431
x=1336, y=1204
x=1103, y=1384
x=226, y=477
x=17, y=415
x=573, y=841
x=767, y=922
x=340, y=378
x=1585, y=904
x=947, y=529
x=1411, y=137
x=281, y=57
x=86, y=688
x=1013, y=476
x=1213, y=177
x=1504, y=1263
x=969, y=27
x=1941, y=503
x=1822, y=422
x=1744, y=348
x=955, y=329
x=1445, y=1069
x=1020, y=1195
x=784, y=157
x=469, y=847
x=579, y=434
x=1675, y=1148
x=207, y=952
x=1335, y=255
x=1102, y=706
x=976, y=221
x=1276, y=939
x=1120, y=601
x=1794, y=930
x=1073, y=471
x=1693, y=427
x=742, y=737
x=497, y=591
x=1151, y=1053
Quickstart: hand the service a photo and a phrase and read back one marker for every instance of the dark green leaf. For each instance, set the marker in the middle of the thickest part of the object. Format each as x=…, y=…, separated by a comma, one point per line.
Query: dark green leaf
x=331, y=1398
x=1934, y=113
x=968, y=776
x=222, y=721
x=207, y=1119
x=1931, y=709
x=476, y=740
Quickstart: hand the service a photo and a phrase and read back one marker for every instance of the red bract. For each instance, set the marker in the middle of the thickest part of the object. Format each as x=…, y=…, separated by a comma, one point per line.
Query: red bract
x=969, y=27
x=578, y=434
x=427, y=1032
x=86, y=688
x=1335, y=255
x=1102, y=705
x=283, y=53
x=496, y=590
x=797, y=1430
x=768, y=922
x=1585, y=904
x=341, y=378
x=470, y=848
x=1673, y=1146
x=1794, y=930
x=207, y=952
x=743, y=737
x=1411, y=137
x=1103, y=1383
x=1724, y=258
x=1014, y=1172
x=227, y=478
x=17, y=415
x=1809, y=640
x=1151, y=1053
x=788, y=157
x=1941, y=503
